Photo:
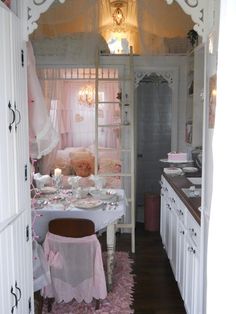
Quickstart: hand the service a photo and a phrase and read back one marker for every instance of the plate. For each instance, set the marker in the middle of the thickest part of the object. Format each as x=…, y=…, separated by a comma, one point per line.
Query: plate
x=48, y=190
x=190, y=169
x=88, y=203
x=173, y=171
x=102, y=195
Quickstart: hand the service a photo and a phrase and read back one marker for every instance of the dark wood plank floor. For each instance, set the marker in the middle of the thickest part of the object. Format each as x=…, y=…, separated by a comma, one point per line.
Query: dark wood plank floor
x=156, y=291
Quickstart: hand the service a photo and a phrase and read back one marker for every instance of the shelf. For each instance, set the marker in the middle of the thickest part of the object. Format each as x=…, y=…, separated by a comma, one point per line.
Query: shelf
x=113, y=125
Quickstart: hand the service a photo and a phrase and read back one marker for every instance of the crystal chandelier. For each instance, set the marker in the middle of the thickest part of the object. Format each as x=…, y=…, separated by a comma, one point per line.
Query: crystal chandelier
x=86, y=95
x=118, y=16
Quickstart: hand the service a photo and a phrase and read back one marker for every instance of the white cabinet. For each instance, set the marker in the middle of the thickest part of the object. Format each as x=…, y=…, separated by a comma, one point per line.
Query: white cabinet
x=15, y=270
x=15, y=226
x=180, y=235
x=7, y=132
x=169, y=223
x=14, y=160
x=191, y=289
x=181, y=257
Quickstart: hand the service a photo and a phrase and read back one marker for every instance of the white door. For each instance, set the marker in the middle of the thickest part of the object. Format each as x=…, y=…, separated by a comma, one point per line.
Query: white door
x=7, y=129
x=153, y=101
x=21, y=176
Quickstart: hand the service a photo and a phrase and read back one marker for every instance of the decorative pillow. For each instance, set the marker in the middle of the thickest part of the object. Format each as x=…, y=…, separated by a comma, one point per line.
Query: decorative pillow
x=83, y=167
x=108, y=153
x=113, y=183
x=109, y=166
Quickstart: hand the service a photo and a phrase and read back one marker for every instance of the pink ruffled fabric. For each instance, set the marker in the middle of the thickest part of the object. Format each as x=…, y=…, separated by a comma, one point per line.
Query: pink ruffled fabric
x=76, y=269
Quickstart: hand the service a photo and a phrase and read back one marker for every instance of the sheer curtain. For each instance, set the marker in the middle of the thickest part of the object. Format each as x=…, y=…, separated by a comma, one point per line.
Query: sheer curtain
x=43, y=137
x=74, y=120
x=82, y=115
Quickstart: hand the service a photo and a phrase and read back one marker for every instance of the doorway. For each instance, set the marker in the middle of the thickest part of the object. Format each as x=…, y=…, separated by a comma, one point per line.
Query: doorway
x=153, y=103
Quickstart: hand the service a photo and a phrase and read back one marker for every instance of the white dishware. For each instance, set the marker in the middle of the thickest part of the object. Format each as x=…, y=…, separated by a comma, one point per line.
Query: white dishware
x=48, y=190
x=103, y=194
x=88, y=203
x=190, y=169
x=173, y=171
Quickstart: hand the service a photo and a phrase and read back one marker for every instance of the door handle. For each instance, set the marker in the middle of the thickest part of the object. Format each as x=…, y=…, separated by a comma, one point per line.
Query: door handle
x=140, y=155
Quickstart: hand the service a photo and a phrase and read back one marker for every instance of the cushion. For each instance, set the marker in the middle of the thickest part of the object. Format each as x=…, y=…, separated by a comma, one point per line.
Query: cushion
x=83, y=167
x=109, y=166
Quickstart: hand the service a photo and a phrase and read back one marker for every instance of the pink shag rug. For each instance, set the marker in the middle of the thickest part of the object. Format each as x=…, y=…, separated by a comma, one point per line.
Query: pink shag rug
x=118, y=301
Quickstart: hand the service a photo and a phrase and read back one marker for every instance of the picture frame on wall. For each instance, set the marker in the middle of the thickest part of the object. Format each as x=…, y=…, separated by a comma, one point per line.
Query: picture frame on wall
x=188, y=132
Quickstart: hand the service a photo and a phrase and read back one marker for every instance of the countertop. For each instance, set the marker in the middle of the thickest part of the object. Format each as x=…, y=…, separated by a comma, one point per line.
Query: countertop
x=192, y=203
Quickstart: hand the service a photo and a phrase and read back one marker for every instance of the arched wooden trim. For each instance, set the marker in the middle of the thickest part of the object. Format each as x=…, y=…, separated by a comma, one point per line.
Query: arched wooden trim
x=34, y=9
x=194, y=8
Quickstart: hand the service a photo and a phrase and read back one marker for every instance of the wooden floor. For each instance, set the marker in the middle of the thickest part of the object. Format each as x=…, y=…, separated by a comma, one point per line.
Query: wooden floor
x=156, y=291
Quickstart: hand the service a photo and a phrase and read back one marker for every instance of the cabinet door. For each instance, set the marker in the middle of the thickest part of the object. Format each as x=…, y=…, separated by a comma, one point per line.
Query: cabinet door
x=21, y=116
x=16, y=267
x=180, y=270
x=191, y=278
x=7, y=296
x=173, y=239
x=7, y=129
x=163, y=218
x=21, y=236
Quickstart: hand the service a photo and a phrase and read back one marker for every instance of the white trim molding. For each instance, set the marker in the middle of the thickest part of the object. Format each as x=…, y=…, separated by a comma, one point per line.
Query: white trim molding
x=194, y=8
x=34, y=9
x=139, y=75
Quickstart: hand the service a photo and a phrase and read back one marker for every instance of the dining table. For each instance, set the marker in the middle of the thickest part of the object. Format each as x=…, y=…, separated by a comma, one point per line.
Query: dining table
x=104, y=207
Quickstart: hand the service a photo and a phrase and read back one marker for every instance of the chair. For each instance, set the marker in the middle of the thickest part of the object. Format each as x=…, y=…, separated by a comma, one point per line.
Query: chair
x=74, y=256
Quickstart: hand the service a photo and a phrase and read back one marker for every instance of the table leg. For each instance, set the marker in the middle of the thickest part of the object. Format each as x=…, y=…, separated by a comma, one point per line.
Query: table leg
x=111, y=242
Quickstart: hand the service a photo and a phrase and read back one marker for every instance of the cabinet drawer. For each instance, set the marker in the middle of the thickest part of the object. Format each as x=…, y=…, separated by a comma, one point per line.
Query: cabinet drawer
x=193, y=229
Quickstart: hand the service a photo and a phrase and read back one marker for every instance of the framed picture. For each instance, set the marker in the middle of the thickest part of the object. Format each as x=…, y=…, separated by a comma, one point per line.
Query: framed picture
x=212, y=101
x=188, y=132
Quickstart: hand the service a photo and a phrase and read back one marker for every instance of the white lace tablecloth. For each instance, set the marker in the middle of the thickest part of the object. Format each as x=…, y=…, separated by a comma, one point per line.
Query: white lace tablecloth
x=102, y=216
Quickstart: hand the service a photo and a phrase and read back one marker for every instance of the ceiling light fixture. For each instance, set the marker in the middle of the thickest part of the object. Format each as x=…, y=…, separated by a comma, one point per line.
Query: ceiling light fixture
x=118, y=15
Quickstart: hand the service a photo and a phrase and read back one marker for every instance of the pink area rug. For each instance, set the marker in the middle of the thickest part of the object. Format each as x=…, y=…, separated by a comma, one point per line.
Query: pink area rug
x=118, y=301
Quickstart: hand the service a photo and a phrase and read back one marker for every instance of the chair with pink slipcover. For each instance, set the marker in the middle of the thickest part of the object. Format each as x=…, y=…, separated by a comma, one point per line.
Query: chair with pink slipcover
x=75, y=259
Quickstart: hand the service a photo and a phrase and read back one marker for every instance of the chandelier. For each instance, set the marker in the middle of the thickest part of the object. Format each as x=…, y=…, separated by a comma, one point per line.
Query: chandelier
x=118, y=16
x=86, y=95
